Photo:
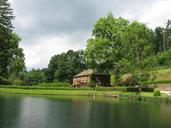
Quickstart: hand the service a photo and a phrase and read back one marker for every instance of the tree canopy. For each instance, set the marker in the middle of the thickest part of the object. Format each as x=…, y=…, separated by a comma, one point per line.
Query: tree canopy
x=119, y=45
x=11, y=56
x=63, y=66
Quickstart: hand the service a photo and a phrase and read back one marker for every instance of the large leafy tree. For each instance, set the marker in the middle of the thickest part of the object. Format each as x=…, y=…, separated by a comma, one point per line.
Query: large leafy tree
x=17, y=59
x=118, y=45
x=138, y=41
x=11, y=56
x=63, y=66
x=105, y=46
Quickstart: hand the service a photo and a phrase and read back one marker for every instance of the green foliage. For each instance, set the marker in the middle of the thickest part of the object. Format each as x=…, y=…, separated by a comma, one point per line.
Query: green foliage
x=119, y=46
x=164, y=58
x=147, y=89
x=128, y=89
x=156, y=92
x=158, y=44
x=157, y=82
x=35, y=76
x=17, y=81
x=11, y=56
x=6, y=14
x=112, y=80
x=4, y=81
x=133, y=89
x=91, y=82
x=17, y=59
x=128, y=80
x=63, y=66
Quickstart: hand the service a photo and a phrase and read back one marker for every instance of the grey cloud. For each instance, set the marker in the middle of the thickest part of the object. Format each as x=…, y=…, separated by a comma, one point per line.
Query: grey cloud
x=36, y=19
x=60, y=17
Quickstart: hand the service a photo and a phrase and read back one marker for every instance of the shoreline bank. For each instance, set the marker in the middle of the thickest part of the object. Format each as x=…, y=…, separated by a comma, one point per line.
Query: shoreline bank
x=142, y=96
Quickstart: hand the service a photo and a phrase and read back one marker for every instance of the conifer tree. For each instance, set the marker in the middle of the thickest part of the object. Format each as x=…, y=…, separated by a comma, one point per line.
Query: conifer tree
x=10, y=53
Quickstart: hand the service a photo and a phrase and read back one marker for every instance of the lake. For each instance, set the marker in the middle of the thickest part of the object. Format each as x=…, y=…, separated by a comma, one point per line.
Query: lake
x=75, y=112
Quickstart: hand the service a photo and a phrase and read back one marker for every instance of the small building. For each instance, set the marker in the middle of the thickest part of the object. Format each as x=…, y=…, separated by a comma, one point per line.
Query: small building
x=91, y=78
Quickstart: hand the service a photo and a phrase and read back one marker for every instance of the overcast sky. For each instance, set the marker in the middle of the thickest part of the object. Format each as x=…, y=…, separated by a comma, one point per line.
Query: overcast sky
x=49, y=27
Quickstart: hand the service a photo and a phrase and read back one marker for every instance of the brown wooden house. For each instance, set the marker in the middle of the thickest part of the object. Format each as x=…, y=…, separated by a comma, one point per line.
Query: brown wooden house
x=91, y=78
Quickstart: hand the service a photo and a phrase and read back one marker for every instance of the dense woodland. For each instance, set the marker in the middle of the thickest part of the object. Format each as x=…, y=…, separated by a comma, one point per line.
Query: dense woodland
x=116, y=47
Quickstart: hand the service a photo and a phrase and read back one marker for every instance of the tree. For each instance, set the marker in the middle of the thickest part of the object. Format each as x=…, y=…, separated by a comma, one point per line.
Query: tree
x=6, y=15
x=163, y=37
x=17, y=59
x=63, y=66
x=158, y=46
x=105, y=46
x=119, y=45
x=34, y=76
x=11, y=56
x=139, y=43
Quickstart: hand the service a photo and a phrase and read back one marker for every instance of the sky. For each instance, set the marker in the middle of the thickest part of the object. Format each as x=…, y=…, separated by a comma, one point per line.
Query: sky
x=50, y=27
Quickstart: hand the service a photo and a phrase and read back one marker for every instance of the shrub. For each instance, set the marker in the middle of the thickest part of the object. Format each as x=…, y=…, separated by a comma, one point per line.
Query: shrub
x=128, y=80
x=147, y=89
x=157, y=82
x=4, y=81
x=132, y=89
x=17, y=81
x=156, y=92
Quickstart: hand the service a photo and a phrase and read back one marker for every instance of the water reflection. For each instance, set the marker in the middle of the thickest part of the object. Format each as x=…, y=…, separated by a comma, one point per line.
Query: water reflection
x=43, y=112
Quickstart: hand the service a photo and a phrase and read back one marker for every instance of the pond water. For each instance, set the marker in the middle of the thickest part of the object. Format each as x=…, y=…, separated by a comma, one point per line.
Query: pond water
x=58, y=112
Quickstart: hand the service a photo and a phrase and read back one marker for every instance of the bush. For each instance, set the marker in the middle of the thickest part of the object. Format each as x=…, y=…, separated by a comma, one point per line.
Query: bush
x=4, y=81
x=147, y=89
x=17, y=81
x=128, y=89
x=132, y=89
x=157, y=82
x=128, y=80
x=156, y=92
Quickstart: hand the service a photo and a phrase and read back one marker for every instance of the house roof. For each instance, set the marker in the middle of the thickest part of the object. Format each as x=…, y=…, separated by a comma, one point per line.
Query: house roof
x=86, y=73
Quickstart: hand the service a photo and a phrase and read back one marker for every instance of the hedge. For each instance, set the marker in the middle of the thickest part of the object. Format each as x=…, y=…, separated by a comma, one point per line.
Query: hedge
x=157, y=82
x=128, y=89
x=147, y=89
x=132, y=89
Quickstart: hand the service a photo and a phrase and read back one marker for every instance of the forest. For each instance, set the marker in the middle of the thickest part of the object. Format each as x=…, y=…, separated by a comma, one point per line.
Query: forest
x=117, y=46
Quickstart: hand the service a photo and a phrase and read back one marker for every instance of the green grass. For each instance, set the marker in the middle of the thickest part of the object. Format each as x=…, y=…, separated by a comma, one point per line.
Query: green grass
x=43, y=87
x=77, y=92
x=55, y=84
x=162, y=75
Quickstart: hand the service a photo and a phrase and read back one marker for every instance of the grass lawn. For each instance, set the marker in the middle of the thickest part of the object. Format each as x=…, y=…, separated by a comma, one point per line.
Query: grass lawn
x=162, y=73
x=88, y=92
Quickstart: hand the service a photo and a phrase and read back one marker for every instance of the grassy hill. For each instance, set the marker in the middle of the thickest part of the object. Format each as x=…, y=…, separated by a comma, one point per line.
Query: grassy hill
x=162, y=73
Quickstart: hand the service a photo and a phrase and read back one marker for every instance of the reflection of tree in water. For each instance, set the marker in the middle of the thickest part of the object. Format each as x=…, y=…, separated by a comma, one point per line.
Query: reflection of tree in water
x=41, y=112
x=9, y=111
x=80, y=113
x=126, y=115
